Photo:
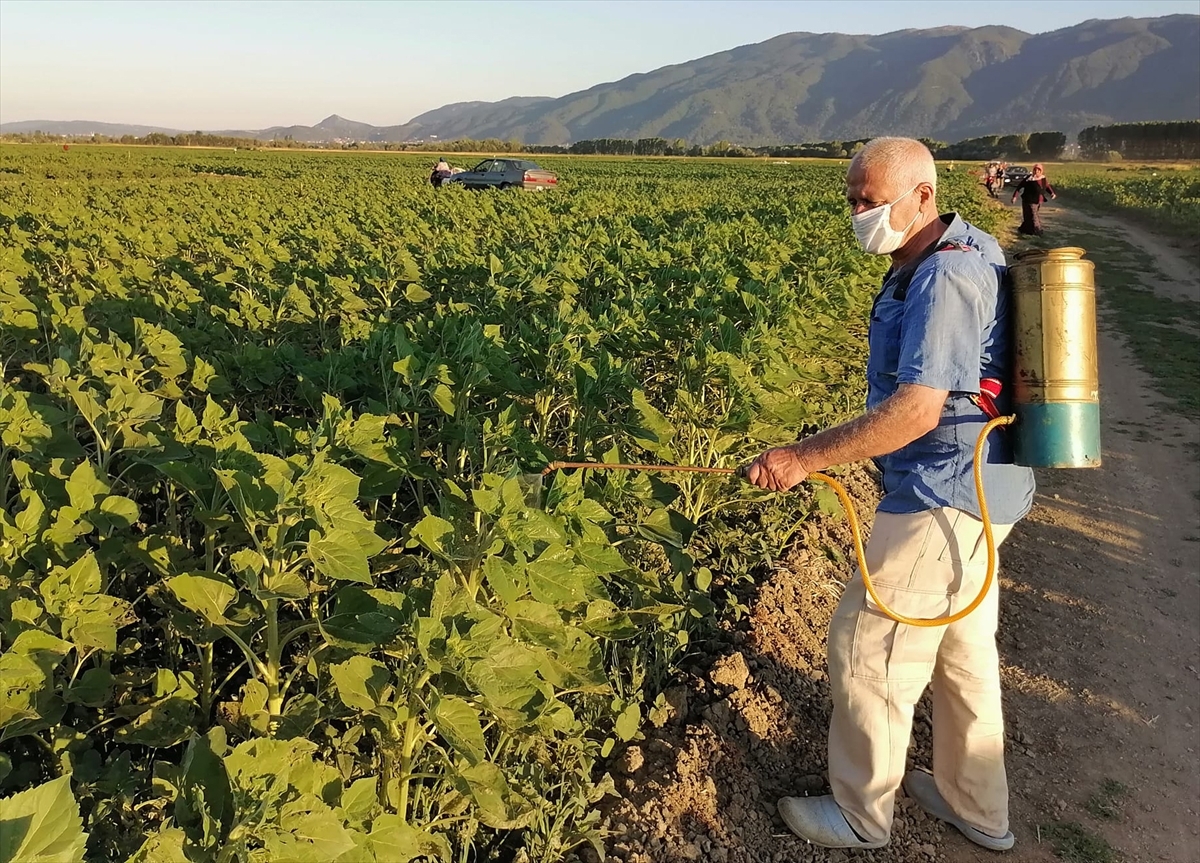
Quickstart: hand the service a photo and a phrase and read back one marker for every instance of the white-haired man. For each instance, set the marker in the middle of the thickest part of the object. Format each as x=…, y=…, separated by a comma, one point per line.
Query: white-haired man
x=939, y=334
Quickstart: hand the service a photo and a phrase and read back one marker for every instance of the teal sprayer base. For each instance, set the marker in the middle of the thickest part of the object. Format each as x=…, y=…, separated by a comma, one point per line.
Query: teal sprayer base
x=1057, y=434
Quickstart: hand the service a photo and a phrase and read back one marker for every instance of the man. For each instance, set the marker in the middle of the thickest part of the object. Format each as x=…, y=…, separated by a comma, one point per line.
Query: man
x=441, y=172
x=939, y=325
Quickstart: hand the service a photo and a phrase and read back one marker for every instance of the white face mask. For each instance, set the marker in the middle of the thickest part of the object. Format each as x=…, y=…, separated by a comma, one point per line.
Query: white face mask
x=874, y=228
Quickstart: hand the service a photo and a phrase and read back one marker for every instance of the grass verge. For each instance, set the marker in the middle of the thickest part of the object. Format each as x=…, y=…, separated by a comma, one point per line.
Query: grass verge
x=1105, y=803
x=1074, y=843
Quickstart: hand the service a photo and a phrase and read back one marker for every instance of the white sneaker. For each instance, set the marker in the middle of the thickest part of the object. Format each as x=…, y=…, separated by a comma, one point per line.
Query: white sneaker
x=921, y=787
x=820, y=820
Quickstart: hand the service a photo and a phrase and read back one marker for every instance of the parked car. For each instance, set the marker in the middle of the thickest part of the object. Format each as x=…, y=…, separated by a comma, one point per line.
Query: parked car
x=1014, y=175
x=506, y=174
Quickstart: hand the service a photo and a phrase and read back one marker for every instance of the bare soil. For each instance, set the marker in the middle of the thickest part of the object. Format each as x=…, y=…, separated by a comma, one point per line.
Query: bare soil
x=1100, y=647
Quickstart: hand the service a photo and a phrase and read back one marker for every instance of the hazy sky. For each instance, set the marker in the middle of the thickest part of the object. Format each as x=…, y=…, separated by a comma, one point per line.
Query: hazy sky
x=248, y=65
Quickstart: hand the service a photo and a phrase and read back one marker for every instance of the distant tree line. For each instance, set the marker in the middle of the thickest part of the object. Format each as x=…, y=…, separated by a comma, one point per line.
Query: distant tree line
x=159, y=139
x=1036, y=145
x=1177, y=140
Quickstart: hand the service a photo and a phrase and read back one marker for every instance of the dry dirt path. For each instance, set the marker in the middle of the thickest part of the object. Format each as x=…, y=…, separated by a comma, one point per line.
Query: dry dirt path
x=1100, y=629
x=1100, y=647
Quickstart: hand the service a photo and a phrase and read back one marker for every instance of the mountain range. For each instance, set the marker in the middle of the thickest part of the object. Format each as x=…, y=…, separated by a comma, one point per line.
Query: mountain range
x=946, y=83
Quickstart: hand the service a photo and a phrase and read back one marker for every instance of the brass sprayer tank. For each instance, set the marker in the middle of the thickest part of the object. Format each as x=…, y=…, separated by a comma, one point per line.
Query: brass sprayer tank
x=1055, y=373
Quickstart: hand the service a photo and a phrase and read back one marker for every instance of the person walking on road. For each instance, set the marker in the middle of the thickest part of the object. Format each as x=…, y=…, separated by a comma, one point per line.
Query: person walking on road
x=1033, y=191
x=938, y=332
x=991, y=177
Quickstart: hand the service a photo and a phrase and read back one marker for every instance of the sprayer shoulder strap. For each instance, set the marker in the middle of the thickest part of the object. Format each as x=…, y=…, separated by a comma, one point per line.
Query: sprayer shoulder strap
x=905, y=276
x=989, y=388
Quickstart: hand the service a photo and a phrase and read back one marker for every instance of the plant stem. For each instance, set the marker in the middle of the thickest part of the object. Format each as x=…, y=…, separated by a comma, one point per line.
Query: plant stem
x=206, y=679
x=271, y=673
x=408, y=746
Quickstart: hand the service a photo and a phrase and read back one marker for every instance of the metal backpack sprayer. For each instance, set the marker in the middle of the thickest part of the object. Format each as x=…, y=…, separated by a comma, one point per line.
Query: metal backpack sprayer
x=1055, y=387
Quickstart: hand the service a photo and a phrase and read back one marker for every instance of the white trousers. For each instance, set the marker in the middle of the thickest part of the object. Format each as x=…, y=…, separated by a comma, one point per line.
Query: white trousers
x=928, y=564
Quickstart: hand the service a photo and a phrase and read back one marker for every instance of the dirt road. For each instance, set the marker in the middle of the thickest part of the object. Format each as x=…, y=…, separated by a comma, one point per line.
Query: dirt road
x=1100, y=627
x=1100, y=647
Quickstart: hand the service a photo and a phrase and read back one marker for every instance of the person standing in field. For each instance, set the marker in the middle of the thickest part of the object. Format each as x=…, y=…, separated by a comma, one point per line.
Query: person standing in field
x=938, y=339
x=441, y=171
x=1033, y=190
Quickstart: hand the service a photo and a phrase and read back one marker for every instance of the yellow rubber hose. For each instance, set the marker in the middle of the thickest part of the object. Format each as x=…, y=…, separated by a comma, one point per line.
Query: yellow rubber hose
x=852, y=517
x=848, y=505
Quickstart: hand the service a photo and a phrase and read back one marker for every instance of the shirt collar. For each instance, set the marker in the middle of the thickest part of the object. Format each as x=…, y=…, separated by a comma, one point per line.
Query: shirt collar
x=954, y=227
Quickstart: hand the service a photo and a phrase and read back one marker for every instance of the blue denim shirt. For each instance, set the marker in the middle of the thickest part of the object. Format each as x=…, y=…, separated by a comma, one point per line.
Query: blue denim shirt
x=951, y=329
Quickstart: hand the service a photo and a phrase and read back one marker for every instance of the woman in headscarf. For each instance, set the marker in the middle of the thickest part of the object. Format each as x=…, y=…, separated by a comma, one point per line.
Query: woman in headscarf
x=1033, y=190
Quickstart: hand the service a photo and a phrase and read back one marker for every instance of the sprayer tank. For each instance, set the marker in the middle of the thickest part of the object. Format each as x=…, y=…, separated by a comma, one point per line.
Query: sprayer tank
x=1055, y=375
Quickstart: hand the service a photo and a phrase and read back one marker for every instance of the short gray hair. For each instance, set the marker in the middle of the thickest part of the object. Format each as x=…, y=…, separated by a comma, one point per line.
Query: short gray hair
x=906, y=159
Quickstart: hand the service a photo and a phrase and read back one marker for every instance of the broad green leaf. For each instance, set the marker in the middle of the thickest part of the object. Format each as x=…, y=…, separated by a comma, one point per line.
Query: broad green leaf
x=652, y=430
x=338, y=554
x=628, y=722
x=506, y=580
x=395, y=841
x=42, y=825
x=64, y=586
x=309, y=832
x=443, y=397
x=326, y=483
x=25, y=687
x=300, y=716
x=170, y=719
x=828, y=502
x=26, y=667
x=431, y=531
x=600, y=559
x=25, y=610
x=556, y=582
x=94, y=620
x=497, y=805
x=83, y=486
x=508, y=681
x=83, y=576
x=91, y=688
x=114, y=513
x=361, y=682
x=204, y=806
x=165, y=845
x=207, y=595
x=606, y=620
x=360, y=802
x=414, y=293
x=667, y=527
x=254, y=706
x=590, y=510
x=361, y=621
x=485, y=499
x=458, y=722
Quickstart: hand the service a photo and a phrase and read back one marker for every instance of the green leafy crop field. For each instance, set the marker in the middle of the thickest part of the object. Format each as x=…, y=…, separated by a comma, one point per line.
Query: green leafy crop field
x=1164, y=197
x=278, y=580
